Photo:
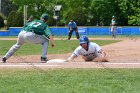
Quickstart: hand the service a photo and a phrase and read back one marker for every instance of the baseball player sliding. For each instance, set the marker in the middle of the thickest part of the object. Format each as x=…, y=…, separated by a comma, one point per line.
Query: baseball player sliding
x=36, y=32
x=89, y=51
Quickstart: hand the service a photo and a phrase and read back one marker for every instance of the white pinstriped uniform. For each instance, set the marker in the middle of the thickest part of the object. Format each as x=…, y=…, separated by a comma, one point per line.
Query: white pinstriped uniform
x=93, y=51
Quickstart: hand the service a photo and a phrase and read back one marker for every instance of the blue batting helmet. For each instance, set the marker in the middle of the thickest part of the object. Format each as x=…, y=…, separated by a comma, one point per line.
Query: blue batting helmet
x=83, y=40
x=45, y=16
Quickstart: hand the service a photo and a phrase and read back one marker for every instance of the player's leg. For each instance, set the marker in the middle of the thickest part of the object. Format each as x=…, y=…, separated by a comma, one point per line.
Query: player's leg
x=15, y=47
x=113, y=34
x=70, y=34
x=77, y=34
x=44, y=51
x=112, y=31
x=39, y=39
x=12, y=50
x=115, y=28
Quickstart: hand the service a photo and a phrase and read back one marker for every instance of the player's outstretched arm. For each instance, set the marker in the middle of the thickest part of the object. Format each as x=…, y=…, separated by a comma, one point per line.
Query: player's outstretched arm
x=52, y=41
x=73, y=56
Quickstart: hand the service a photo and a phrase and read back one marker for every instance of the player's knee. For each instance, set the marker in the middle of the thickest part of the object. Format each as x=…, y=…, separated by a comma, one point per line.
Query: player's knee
x=16, y=46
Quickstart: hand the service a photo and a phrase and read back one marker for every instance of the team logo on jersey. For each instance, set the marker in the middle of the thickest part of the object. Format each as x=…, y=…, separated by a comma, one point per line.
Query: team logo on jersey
x=90, y=54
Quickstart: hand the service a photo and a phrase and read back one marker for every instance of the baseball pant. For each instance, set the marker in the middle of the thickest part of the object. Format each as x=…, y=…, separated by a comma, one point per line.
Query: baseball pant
x=25, y=37
x=70, y=33
x=113, y=30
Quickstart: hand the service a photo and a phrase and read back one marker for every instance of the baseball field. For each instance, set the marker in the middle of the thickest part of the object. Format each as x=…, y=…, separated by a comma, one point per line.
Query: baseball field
x=24, y=74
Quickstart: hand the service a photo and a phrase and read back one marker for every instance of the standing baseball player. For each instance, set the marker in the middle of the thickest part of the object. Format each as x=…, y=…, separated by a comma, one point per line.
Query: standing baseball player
x=37, y=32
x=113, y=27
x=89, y=51
x=72, y=27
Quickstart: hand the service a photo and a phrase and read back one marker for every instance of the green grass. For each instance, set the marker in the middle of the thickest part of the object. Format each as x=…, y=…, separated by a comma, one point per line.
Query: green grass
x=61, y=46
x=69, y=80
x=8, y=36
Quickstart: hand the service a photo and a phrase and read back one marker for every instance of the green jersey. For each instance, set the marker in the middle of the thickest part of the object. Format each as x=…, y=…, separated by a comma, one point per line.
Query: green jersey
x=38, y=27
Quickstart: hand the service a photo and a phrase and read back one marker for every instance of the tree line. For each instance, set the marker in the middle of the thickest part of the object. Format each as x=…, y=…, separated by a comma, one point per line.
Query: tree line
x=83, y=12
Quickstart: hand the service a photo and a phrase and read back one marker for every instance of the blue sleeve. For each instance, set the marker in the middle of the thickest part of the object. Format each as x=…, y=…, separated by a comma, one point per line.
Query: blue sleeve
x=69, y=24
x=74, y=23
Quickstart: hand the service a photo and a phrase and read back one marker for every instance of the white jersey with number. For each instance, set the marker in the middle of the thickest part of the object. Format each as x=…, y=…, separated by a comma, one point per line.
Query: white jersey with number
x=93, y=51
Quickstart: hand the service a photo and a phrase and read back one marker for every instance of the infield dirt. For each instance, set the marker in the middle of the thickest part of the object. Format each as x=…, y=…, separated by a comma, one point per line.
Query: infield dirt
x=128, y=50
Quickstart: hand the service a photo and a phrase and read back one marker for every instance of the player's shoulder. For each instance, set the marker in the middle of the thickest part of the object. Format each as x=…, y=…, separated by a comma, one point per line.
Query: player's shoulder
x=79, y=48
x=69, y=23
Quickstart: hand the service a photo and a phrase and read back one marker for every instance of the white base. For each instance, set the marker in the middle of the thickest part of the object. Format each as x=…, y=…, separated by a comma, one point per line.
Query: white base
x=56, y=61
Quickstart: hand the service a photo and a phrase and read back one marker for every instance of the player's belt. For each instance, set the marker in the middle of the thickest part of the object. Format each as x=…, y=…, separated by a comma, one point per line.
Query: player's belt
x=33, y=32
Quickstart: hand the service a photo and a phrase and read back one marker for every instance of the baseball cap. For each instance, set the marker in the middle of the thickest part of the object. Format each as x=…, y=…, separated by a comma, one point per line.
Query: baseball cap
x=45, y=16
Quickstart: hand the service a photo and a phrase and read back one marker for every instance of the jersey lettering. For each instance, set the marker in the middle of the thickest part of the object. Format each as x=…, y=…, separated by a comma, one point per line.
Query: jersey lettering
x=35, y=24
x=93, y=54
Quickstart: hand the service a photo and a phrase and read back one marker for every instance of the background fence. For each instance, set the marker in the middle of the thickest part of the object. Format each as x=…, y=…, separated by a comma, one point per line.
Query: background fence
x=63, y=31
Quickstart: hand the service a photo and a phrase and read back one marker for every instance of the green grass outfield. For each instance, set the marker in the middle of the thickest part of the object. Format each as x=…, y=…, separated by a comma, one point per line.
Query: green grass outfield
x=69, y=80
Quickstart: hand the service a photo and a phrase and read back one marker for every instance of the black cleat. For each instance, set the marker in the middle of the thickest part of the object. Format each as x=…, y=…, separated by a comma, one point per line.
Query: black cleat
x=3, y=60
x=44, y=59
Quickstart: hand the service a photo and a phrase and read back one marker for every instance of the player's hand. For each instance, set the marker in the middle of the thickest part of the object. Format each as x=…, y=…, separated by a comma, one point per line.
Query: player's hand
x=52, y=41
x=66, y=61
x=52, y=45
x=71, y=29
